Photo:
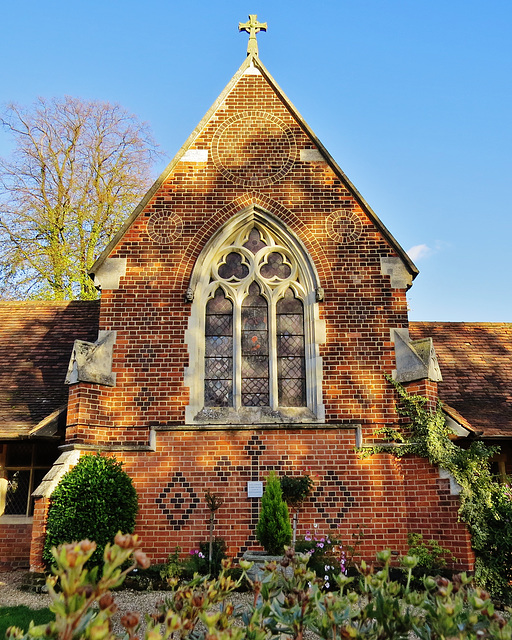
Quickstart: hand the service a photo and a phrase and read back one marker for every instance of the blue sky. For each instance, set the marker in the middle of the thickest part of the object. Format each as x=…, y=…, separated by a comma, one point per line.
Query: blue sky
x=413, y=99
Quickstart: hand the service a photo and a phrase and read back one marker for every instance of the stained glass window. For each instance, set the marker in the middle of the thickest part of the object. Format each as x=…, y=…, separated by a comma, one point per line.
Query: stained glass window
x=233, y=268
x=275, y=267
x=218, y=375
x=291, y=371
x=254, y=242
x=255, y=378
x=258, y=287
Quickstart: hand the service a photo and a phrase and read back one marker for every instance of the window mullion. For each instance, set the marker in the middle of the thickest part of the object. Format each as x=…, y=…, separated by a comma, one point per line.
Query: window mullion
x=237, y=355
x=30, y=490
x=272, y=355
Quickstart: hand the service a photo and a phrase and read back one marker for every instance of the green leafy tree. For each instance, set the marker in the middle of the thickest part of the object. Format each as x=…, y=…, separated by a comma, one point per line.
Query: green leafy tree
x=94, y=501
x=274, y=530
x=77, y=170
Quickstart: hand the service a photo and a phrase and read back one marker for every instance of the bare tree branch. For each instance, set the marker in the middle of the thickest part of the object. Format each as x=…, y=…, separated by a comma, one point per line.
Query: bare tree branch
x=77, y=170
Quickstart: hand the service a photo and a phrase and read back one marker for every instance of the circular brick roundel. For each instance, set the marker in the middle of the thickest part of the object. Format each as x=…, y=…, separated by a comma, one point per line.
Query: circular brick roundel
x=254, y=149
x=343, y=226
x=164, y=227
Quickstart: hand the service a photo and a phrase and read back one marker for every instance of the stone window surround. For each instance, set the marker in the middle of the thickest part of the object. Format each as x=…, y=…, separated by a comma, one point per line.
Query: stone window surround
x=200, y=288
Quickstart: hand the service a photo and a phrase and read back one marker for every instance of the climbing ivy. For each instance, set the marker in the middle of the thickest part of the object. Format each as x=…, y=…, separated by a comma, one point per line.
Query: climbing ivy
x=485, y=505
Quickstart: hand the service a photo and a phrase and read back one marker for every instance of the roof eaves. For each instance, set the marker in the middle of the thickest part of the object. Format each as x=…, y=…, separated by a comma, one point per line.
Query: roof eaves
x=337, y=170
x=460, y=419
x=48, y=426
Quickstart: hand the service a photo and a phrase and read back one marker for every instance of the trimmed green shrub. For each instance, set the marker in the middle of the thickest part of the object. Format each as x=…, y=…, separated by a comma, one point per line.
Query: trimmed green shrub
x=94, y=500
x=296, y=489
x=431, y=555
x=274, y=530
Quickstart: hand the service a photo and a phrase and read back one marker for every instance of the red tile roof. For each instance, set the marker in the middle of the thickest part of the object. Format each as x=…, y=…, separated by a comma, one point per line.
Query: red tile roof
x=36, y=339
x=476, y=364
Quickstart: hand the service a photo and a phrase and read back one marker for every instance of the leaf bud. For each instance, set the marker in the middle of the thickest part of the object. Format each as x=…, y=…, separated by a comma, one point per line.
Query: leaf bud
x=106, y=600
x=409, y=562
x=197, y=600
x=384, y=556
x=98, y=630
x=130, y=620
x=125, y=541
x=173, y=622
x=85, y=590
x=87, y=545
x=141, y=559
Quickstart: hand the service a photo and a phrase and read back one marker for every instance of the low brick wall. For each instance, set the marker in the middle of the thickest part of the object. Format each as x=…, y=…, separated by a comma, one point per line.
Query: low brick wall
x=15, y=545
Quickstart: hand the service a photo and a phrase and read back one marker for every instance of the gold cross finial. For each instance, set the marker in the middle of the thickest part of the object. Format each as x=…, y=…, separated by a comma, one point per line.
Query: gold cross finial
x=252, y=27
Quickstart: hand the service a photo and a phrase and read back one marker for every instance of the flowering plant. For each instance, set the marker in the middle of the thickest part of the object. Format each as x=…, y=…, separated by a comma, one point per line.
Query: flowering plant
x=197, y=561
x=326, y=555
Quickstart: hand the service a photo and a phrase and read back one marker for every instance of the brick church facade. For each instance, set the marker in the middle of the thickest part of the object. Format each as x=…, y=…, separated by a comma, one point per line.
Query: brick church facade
x=250, y=309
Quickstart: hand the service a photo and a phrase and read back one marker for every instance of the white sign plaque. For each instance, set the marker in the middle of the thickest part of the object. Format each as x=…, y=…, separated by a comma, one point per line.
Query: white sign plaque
x=254, y=489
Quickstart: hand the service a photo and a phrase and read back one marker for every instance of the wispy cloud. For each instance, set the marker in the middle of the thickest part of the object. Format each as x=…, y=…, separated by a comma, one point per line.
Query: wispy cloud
x=419, y=251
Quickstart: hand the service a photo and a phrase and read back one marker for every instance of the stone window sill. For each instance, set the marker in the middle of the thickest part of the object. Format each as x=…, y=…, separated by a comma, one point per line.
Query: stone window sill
x=16, y=520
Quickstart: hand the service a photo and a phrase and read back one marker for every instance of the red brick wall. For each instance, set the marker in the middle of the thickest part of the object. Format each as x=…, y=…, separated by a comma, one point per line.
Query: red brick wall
x=382, y=497
x=15, y=545
x=39, y=530
x=149, y=314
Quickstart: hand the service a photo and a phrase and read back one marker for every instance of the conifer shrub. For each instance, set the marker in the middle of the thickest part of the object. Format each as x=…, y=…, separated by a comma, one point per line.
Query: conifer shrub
x=94, y=501
x=274, y=530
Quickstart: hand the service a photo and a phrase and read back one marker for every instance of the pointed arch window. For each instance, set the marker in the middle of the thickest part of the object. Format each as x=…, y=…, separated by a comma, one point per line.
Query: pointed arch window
x=256, y=311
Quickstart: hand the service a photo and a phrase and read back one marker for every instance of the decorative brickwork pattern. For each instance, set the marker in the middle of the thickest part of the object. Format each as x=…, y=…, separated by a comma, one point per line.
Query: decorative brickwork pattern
x=164, y=227
x=254, y=149
x=343, y=226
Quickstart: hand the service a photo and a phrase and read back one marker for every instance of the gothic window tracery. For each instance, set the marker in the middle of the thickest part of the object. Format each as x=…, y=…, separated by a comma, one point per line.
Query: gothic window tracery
x=254, y=318
x=255, y=296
